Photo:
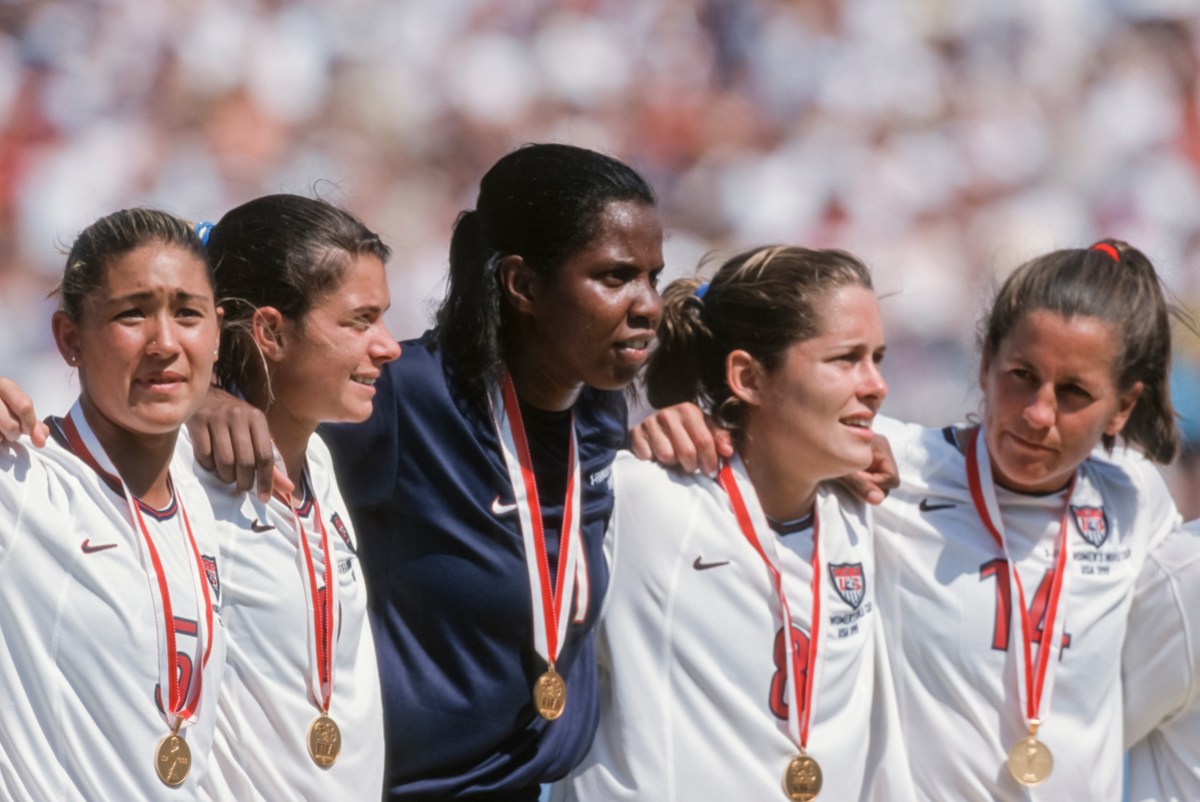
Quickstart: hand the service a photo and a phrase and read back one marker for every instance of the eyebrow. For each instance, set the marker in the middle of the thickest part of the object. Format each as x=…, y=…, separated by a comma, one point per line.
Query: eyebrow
x=178, y=295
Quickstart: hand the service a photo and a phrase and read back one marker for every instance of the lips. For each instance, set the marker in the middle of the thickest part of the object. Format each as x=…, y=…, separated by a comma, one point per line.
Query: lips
x=634, y=348
x=162, y=381
x=860, y=423
x=1029, y=445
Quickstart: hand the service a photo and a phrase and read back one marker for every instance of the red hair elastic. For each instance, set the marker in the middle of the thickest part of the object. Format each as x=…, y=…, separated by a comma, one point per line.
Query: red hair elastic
x=1104, y=247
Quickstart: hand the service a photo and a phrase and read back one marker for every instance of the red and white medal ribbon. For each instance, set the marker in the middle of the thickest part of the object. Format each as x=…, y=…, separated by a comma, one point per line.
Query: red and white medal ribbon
x=551, y=603
x=180, y=706
x=322, y=617
x=1035, y=681
x=751, y=520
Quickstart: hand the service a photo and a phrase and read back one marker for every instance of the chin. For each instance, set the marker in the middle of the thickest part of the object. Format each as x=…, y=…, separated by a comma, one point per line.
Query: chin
x=617, y=378
x=355, y=412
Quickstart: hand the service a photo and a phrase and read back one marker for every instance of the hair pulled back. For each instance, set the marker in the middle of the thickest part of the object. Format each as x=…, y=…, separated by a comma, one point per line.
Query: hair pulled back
x=110, y=238
x=284, y=251
x=540, y=202
x=1114, y=282
x=761, y=301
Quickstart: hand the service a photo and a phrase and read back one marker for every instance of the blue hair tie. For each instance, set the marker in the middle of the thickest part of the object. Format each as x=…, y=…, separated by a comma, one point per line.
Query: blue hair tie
x=203, y=230
x=701, y=291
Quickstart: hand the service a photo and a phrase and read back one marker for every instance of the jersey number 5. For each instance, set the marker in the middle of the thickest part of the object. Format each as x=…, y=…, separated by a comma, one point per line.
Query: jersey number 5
x=999, y=569
x=183, y=626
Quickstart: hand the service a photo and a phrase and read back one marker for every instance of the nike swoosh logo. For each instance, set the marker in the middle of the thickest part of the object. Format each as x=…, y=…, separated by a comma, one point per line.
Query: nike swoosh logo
x=258, y=526
x=700, y=565
x=87, y=548
x=927, y=506
x=502, y=509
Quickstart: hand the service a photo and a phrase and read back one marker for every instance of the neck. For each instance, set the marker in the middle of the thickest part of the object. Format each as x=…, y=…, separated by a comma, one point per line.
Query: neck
x=143, y=461
x=539, y=385
x=784, y=492
x=290, y=437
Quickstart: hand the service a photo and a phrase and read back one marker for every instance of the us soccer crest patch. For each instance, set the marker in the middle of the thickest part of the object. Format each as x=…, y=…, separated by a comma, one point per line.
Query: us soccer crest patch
x=210, y=571
x=849, y=581
x=1092, y=524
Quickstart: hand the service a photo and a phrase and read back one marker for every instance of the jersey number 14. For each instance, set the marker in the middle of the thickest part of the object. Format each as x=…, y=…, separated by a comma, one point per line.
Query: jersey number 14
x=998, y=569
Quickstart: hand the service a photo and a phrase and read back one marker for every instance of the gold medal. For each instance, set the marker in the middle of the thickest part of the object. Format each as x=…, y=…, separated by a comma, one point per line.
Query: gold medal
x=324, y=741
x=550, y=695
x=173, y=760
x=802, y=780
x=1030, y=762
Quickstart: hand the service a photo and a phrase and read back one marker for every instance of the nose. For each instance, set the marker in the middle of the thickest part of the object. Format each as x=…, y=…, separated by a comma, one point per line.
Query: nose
x=1041, y=409
x=646, y=309
x=873, y=386
x=384, y=347
x=163, y=338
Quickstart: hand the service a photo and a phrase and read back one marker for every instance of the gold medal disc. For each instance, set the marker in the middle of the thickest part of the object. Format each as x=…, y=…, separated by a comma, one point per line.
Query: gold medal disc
x=1030, y=762
x=802, y=780
x=173, y=760
x=550, y=695
x=324, y=741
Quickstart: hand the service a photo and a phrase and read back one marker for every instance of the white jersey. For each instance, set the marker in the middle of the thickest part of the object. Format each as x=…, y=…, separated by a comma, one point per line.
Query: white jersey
x=268, y=700
x=80, y=663
x=1161, y=673
x=691, y=651
x=956, y=641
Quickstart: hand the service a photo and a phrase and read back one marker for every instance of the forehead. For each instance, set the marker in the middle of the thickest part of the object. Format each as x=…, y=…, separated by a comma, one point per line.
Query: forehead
x=1076, y=344
x=625, y=230
x=155, y=267
x=847, y=309
x=363, y=283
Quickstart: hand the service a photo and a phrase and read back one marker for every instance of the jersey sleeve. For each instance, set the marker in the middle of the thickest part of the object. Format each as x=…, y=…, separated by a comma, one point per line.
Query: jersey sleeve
x=1161, y=653
x=24, y=482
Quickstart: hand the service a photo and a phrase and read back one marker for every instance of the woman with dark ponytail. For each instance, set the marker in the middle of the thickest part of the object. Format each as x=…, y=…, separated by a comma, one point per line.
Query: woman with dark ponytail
x=715, y=583
x=483, y=475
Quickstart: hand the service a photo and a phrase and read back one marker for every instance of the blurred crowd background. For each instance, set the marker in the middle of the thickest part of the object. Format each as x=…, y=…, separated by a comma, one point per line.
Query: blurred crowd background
x=944, y=141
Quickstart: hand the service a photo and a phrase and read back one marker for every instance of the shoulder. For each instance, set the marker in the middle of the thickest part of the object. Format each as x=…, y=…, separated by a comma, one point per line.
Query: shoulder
x=220, y=495
x=654, y=503
x=1133, y=487
x=930, y=461
x=656, y=513
x=23, y=468
x=638, y=480
x=916, y=448
x=601, y=419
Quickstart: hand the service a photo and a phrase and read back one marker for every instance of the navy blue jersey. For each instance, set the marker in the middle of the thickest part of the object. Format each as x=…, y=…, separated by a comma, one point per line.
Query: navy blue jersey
x=430, y=496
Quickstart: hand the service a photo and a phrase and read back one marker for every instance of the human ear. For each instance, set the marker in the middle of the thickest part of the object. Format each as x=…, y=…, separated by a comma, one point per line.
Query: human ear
x=1125, y=407
x=518, y=283
x=266, y=329
x=66, y=338
x=744, y=374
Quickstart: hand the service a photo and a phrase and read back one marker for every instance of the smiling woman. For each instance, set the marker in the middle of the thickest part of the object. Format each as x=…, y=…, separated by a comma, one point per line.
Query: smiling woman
x=305, y=289
x=108, y=561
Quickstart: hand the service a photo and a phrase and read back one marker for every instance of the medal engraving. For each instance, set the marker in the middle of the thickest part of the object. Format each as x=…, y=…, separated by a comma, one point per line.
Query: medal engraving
x=1030, y=762
x=550, y=695
x=324, y=741
x=173, y=760
x=802, y=780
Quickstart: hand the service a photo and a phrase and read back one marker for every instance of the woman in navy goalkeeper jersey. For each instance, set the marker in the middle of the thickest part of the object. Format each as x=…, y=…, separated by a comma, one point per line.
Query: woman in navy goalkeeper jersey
x=485, y=431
